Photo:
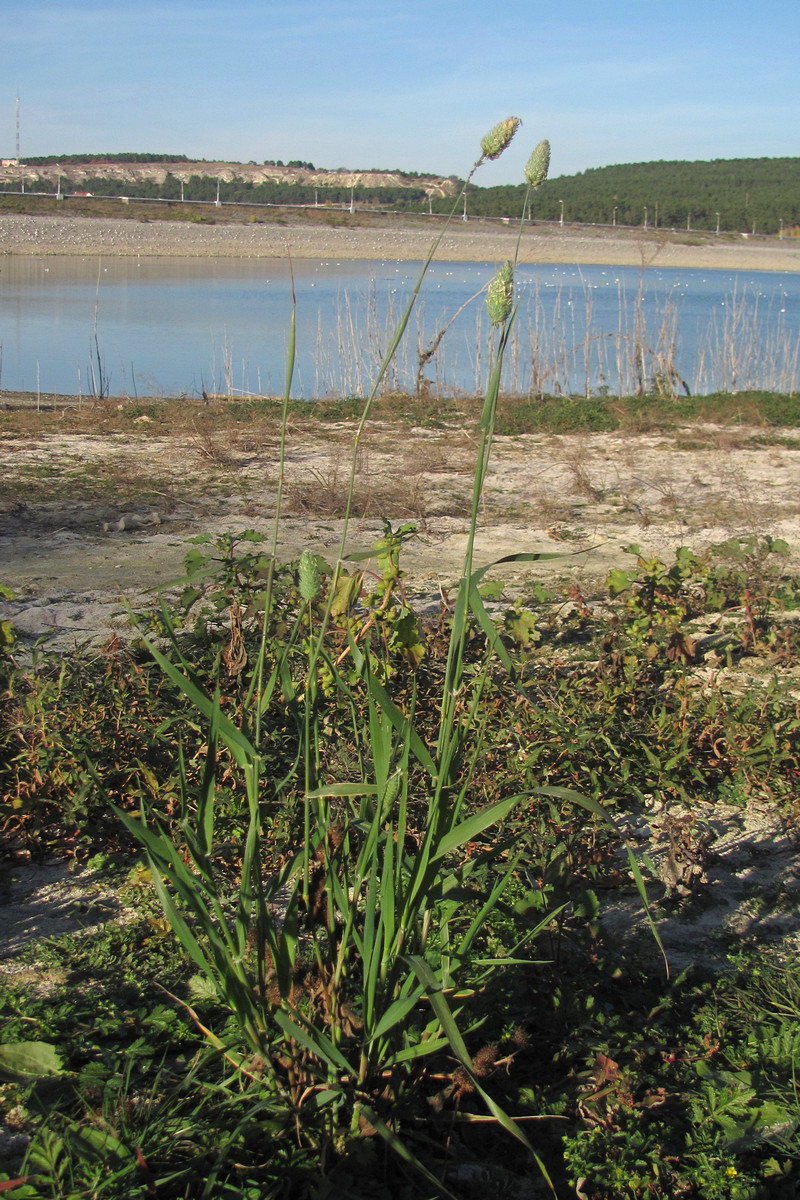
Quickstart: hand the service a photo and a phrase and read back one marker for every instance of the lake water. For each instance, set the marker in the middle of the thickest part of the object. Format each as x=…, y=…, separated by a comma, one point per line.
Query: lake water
x=155, y=326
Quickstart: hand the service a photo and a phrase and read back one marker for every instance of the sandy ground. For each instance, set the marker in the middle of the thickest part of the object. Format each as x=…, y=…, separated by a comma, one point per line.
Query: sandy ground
x=75, y=560
x=403, y=239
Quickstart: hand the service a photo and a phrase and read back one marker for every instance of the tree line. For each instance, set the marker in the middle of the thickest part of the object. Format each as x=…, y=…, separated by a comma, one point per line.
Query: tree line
x=745, y=195
x=52, y=160
x=740, y=195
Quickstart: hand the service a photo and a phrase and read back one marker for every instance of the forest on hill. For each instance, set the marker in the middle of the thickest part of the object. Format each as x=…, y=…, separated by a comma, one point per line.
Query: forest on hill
x=46, y=160
x=744, y=195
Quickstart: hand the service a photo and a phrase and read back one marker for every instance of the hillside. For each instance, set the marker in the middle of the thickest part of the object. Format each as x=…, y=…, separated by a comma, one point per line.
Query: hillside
x=748, y=195
x=151, y=178
x=744, y=195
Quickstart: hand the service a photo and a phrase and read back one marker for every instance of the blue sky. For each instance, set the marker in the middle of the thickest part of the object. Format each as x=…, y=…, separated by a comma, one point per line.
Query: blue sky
x=411, y=84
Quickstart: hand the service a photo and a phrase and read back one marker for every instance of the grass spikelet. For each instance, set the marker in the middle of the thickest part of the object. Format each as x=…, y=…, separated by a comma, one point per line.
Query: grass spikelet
x=309, y=576
x=499, y=138
x=500, y=294
x=538, y=164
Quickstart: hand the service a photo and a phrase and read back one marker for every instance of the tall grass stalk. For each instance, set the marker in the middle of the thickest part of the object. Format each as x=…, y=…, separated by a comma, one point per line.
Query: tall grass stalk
x=348, y=968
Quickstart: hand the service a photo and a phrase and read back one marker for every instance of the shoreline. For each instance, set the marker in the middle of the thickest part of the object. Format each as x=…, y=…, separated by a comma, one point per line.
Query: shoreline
x=400, y=239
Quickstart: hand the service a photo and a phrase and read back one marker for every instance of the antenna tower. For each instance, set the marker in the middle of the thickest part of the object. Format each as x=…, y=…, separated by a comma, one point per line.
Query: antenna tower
x=17, y=128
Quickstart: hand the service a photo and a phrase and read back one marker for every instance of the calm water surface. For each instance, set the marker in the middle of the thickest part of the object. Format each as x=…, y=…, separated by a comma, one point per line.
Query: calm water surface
x=153, y=326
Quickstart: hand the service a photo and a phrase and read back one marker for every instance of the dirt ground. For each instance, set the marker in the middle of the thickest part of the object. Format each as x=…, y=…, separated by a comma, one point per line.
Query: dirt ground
x=85, y=540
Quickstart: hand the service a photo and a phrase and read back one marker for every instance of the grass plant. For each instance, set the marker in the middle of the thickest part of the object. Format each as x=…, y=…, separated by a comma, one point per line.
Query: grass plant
x=352, y=984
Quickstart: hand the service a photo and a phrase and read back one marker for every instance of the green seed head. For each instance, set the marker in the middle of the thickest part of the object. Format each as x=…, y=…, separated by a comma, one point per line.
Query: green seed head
x=309, y=576
x=496, y=140
x=538, y=164
x=500, y=295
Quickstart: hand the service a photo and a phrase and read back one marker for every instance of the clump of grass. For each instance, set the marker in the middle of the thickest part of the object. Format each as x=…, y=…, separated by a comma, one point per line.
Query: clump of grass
x=344, y=1027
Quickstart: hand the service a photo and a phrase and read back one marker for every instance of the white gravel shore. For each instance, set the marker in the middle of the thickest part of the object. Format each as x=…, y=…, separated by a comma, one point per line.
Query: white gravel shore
x=399, y=239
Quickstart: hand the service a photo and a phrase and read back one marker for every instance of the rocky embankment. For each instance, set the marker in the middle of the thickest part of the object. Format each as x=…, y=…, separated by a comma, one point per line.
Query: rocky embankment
x=136, y=173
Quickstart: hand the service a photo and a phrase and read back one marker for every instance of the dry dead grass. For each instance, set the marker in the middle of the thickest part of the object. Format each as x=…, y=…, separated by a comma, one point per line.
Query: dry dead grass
x=196, y=460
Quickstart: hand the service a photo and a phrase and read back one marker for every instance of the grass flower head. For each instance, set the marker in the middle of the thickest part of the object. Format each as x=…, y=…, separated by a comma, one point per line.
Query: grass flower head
x=309, y=579
x=500, y=294
x=538, y=164
x=499, y=137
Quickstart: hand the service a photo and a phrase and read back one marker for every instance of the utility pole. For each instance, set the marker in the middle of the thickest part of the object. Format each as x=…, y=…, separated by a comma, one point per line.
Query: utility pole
x=561, y=218
x=17, y=128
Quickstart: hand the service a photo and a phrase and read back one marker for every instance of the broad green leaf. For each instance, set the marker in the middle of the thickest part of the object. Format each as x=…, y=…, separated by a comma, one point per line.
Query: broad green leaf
x=491, y=590
x=523, y=556
x=470, y=828
x=402, y=725
x=618, y=581
x=343, y=789
x=322, y=1098
x=233, y=737
x=489, y=628
x=521, y=626
x=346, y=593
x=425, y=974
x=640, y=886
x=419, y=1050
x=92, y=1144
x=588, y=802
x=21, y=1061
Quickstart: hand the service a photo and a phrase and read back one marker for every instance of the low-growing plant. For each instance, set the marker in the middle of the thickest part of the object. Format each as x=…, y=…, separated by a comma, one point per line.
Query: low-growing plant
x=658, y=598
x=748, y=574
x=693, y=1095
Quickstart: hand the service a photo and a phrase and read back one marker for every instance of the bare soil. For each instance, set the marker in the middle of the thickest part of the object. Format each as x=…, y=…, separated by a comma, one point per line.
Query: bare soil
x=89, y=521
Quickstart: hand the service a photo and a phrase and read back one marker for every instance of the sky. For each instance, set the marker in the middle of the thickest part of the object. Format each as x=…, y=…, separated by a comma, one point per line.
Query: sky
x=408, y=84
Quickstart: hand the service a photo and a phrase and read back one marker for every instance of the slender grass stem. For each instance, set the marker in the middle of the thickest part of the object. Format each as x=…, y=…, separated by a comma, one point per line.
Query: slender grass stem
x=381, y=374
